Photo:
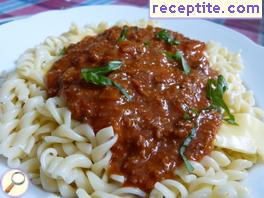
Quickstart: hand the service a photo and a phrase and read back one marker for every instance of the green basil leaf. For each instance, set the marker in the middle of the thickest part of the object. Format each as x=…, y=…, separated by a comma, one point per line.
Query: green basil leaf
x=178, y=56
x=231, y=119
x=183, y=147
x=166, y=36
x=111, y=66
x=146, y=43
x=123, y=34
x=215, y=92
x=188, y=165
x=96, y=76
x=122, y=90
x=62, y=52
x=186, y=116
x=194, y=111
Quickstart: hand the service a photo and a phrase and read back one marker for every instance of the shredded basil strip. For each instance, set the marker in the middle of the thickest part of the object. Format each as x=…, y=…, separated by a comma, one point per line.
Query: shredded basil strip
x=122, y=90
x=194, y=111
x=62, y=52
x=183, y=147
x=190, y=113
x=123, y=34
x=186, y=116
x=166, y=36
x=111, y=66
x=96, y=76
x=215, y=92
x=178, y=56
x=146, y=43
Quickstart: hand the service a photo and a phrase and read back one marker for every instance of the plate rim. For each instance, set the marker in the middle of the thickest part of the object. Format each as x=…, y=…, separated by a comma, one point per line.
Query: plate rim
x=110, y=6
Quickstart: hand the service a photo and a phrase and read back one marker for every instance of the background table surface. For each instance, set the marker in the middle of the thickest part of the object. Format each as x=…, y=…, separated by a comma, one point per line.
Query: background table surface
x=15, y=9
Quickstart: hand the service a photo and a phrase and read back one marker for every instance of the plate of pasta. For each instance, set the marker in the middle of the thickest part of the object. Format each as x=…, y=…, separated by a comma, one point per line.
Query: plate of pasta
x=101, y=102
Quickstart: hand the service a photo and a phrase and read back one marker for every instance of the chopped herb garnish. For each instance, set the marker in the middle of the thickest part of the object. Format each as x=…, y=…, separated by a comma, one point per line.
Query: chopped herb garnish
x=215, y=92
x=122, y=90
x=190, y=113
x=166, y=36
x=178, y=56
x=147, y=43
x=123, y=34
x=96, y=76
x=194, y=111
x=231, y=120
x=62, y=52
x=135, y=28
x=111, y=66
x=183, y=147
x=186, y=116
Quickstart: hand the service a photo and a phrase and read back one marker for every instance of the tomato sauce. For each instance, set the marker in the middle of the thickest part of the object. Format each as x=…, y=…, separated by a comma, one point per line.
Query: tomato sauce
x=152, y=126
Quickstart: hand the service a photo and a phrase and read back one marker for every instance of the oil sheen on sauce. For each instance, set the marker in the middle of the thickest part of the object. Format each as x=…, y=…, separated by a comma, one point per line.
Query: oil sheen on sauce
x=151, y=127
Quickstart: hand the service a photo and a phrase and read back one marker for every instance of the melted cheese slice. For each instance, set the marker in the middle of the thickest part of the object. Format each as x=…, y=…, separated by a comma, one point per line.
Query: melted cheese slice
x=248, y=137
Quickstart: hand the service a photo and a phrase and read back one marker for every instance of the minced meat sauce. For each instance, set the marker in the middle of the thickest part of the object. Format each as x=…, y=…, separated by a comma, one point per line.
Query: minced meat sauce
x=152, y=125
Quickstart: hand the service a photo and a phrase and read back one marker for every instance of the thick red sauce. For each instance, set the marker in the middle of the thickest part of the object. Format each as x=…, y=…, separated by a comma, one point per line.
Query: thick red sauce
x=151, y=127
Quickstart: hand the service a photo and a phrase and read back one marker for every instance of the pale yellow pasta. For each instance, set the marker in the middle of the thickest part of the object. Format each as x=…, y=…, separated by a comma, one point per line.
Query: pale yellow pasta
x=118, y=178
x=129, y=191
x=65, y=189
x=81, y=193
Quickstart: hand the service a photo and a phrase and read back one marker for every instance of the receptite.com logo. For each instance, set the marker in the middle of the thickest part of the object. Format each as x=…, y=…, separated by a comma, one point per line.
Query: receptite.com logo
x=14, y=183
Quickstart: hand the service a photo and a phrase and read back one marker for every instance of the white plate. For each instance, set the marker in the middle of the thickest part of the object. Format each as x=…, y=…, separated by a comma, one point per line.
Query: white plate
x=17, y=36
